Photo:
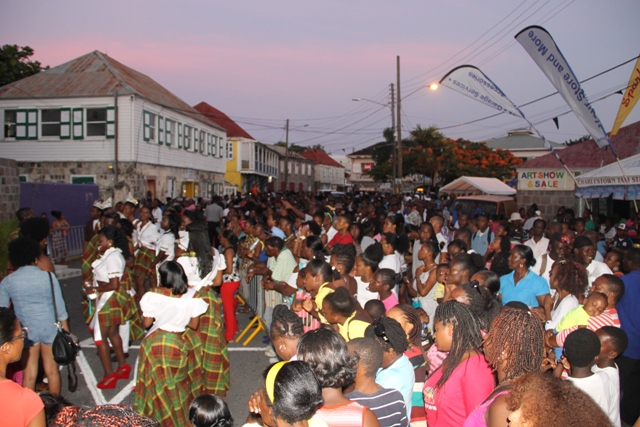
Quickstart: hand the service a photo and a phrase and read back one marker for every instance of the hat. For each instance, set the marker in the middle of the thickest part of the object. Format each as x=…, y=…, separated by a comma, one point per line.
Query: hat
x=538, y=213
x=622, y=227
x=515, y=217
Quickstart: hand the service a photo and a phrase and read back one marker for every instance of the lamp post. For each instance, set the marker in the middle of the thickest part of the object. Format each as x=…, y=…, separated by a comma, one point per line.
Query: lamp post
x=391, y=104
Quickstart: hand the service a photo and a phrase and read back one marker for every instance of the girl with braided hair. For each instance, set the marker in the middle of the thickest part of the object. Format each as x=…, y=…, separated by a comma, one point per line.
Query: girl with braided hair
x=366, y=265
x=343, y=259
x=397, y=371
x=513, y=347
x=409, y=319
x=285, y=332
x=465, y=379
x=479, y=300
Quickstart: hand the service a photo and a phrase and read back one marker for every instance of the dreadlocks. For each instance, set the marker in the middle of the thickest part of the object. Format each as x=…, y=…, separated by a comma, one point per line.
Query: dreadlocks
x=412, y=317
x=466, y=334
x=517, y=336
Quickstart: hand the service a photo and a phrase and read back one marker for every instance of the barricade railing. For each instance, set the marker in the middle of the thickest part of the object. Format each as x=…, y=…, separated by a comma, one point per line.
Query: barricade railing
x=66, y=243
x=254, y=299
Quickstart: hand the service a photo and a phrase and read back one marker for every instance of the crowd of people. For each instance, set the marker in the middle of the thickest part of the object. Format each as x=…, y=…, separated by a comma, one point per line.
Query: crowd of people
x=382, y=310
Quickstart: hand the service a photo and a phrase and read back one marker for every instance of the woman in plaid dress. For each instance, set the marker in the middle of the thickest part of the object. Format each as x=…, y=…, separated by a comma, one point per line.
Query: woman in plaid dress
x=145, y=237
x=169, y=372
x=204, y=272
x=114, y=305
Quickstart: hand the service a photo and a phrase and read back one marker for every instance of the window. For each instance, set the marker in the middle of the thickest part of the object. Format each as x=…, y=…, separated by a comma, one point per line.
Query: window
x=220, y=148
x=168, y=132
x=196, y=144
x=187, y=137
x=202, y=141
x=9, y=123
x=230, y=150
x=55, y=122
x=26, y=124
x=160, y=130
x=78, y=115
x=214, y=145
x=96, y=121
x=366, y=167
x=149, y=126
x=179, y=135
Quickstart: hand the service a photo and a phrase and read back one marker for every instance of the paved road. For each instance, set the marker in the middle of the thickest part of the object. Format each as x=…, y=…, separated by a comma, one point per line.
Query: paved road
x=247, y=363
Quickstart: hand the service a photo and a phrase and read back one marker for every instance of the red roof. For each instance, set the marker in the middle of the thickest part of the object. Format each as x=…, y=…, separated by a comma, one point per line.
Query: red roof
x=587, y=155
x=221, y=119
x=320, y=157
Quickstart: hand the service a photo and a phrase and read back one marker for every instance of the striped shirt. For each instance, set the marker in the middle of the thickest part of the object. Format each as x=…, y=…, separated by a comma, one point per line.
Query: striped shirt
x=346, y=415
x=387, y=404
x=608, y=318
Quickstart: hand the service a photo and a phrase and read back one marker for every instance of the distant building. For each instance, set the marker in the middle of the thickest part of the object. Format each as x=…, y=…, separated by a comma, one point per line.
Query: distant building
x=300, y=175
x=522, y=143
x=361, y=164
x=249, y=163
x=544, y=181
x=328, y=174
x=93, y=119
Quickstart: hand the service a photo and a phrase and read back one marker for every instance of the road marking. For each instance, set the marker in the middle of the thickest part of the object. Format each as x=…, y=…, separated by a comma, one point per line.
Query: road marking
x=90, y=379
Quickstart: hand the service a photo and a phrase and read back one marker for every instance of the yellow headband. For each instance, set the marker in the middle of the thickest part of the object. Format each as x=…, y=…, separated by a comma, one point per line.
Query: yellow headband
x=270, y=381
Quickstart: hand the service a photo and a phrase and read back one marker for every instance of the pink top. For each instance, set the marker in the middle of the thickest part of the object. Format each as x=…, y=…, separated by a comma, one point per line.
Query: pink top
x=346, y=415
x=476, y=418
x=469, y=384
x=390, y=302
x=435, y=358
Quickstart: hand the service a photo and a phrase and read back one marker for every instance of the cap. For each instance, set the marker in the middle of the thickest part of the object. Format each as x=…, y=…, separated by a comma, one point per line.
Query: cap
x=622, y=227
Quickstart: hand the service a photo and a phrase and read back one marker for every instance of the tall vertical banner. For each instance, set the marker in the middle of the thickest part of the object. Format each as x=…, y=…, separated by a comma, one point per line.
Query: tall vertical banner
x=543, y=50
x=629, y=99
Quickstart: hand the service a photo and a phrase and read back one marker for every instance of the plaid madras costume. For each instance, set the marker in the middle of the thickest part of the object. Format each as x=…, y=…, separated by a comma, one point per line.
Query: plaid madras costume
x=89, y=254
x=144, y=258
x=215, y=356
x=169, y=376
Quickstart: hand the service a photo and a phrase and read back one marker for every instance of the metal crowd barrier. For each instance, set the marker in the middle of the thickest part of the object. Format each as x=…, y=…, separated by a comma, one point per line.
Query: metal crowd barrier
x=61, y=246
x=252, y=295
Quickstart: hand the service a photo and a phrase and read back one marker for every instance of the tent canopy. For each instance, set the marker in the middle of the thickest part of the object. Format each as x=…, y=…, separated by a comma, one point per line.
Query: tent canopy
x=612, y=174
x=475, y=184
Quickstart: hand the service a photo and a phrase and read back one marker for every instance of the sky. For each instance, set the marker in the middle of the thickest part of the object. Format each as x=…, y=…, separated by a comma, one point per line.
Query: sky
x=263, y=62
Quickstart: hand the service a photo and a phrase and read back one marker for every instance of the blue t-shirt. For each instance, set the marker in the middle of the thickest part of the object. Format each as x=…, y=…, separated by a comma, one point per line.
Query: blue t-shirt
x=528, y=288
x=628, y=308
x=399, y=376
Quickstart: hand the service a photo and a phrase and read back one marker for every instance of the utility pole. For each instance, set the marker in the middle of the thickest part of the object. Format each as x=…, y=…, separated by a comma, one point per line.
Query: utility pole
x=399, y=157
x=393, y=144
x=286, y=159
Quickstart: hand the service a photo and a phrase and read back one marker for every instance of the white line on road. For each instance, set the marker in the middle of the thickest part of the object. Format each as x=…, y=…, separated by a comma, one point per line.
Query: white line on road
x=126, y=391
x=90, y=379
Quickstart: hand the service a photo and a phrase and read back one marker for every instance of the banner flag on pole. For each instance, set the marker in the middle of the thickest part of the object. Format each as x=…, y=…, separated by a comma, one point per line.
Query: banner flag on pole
x=472, y=82
x=543, y=50
x=629, y=99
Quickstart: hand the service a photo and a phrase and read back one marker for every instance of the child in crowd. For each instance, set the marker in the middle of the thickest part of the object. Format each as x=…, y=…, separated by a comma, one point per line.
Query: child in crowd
x=375, y=308
x=339, y=308
x=441, y=273
x=582, y=350
x=594, y=305
x=614, y=261
x=383, y=282
x=209, y=410
x=308, y=321
x=613, y=342
x=387, y=404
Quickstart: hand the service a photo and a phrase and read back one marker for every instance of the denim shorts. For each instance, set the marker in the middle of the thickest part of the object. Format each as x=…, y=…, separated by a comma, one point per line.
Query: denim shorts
x=44, y=334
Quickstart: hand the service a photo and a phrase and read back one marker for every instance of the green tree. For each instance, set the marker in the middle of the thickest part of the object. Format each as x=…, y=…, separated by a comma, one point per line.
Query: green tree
x=318, y=147
x=15, y=63
x=382, y=152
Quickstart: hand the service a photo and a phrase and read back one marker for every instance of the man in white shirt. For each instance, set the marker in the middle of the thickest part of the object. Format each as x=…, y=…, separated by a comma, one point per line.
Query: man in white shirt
x=538, y=243
x=584, y=248
x=213, y=213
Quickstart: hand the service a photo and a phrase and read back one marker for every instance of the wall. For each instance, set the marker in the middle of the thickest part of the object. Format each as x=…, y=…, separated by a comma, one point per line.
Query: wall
x=74, y=201
x=548, y=201
x=9, y=189
x=132, y=177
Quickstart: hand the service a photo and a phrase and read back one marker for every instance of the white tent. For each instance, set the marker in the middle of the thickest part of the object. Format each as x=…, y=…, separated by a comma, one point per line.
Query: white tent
x=476, y=185
x=609, y=180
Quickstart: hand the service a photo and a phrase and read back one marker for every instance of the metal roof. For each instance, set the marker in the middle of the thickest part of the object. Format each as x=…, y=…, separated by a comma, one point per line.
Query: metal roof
x=96, y=74
x=520, y=141
x=320, y=157
x=217, y=116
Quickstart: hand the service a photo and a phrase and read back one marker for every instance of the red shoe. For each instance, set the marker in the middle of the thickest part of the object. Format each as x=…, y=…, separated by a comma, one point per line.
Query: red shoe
x=123, y=372
x=108, y=382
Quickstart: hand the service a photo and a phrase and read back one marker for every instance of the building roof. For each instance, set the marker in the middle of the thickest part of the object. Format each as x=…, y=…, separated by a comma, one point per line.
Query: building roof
x=520, y=139
x=320, y=157
x=292, y=154
x=95, y=74
x=587, y=155
x=220, y=118
x=367, y=151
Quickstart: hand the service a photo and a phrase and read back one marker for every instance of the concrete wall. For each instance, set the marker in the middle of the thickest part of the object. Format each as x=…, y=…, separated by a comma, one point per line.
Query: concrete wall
x=132, y=177
x=548, y=201
x=9, y=189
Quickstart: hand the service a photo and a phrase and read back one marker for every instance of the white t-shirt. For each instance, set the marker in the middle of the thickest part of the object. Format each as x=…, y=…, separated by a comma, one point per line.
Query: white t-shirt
x=595, y=270
x=614, y=378
x=366, y=242
x=538, y=249
x=600, y=388
x=166, y=244
x=390, y=261
x=566, y=305
x=363, y=295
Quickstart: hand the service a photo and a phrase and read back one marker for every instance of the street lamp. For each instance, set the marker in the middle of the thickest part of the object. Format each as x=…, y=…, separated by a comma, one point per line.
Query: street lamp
x=391, y=104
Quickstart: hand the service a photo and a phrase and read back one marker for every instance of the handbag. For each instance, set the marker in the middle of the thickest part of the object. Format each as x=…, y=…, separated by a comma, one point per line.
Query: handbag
x=65, y=346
